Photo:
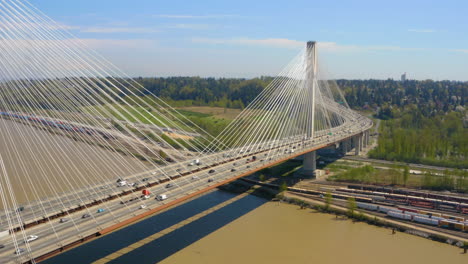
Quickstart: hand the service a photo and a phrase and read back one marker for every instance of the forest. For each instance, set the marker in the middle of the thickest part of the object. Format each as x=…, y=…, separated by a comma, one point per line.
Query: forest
x=196, y=91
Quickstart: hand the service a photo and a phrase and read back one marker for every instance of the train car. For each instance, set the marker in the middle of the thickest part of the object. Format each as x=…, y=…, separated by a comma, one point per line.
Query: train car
x=363, y=199
x=427, y=221
x=430, y=214
x=405, y=209
x=462, y=208
x=451, y=217
x=367, y=206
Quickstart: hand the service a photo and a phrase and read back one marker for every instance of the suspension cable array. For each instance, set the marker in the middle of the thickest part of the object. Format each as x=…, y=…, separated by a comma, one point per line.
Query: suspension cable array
x=71, y=124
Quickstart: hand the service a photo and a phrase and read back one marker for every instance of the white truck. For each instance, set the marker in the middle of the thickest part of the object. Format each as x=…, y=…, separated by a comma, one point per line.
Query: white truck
x=161, y=197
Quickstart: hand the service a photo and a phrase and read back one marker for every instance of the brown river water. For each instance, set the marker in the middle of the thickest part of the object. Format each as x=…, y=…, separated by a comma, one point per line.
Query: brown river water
x=40, y=164
x=281, y=233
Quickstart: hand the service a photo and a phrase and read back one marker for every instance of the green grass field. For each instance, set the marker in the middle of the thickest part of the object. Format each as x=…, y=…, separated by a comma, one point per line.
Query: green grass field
x=164, y=117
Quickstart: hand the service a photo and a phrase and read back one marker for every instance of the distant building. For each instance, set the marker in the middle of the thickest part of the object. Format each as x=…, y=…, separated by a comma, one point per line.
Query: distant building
x=403, y=77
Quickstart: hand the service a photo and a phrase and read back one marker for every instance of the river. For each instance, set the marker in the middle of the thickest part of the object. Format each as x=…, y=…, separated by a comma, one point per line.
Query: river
x=282, y=233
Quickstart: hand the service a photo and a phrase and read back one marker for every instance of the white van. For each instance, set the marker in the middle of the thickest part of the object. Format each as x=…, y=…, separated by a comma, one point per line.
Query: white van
x=161, y=197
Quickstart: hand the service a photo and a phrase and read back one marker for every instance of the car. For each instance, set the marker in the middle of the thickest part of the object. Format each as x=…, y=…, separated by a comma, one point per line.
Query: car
x=100, y=210
x=248, y=166
x=2, y=246
x=232, y=170
x=153, y=173
x=31, y=238
x=20, y=209
x=19, y=251
x=144, y=179
x=161, y=197
x=169, y=185
x=210, y=180
x=64, y=220
x=121, y=183
x=85, y=216
x=131, y=184
x=234, y=164
x=194, y=177
x=211, y=171
x=178, y=170
x=142, y=206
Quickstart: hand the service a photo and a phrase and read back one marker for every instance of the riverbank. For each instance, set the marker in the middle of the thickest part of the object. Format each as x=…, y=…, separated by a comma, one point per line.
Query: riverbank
x=304, y=201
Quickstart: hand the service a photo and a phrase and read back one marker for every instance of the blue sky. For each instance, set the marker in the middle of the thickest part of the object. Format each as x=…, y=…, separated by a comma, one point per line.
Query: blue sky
x=359, y=39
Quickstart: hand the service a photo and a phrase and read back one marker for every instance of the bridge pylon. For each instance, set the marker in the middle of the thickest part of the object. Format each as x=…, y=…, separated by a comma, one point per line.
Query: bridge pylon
x=310, y=159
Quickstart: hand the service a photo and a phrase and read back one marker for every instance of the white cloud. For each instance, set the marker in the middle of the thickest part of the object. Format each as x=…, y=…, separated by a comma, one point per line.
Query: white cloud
x=116, y=43
x=194, y=16
x=335, y=47
x=271, y=42
x=461, y=50
x=192, y=26
x=422, y=30
x=52, y=58
x=120, y=30
x=329, y=47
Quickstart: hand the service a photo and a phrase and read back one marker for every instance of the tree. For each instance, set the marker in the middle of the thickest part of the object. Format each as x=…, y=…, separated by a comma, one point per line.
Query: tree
x=405, y=174
x=283, y=187
x=262, y=177
x=352, y=206
x=328, y=200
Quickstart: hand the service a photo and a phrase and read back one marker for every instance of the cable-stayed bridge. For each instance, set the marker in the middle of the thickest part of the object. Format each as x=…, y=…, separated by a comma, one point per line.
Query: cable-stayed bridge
x=85, y=149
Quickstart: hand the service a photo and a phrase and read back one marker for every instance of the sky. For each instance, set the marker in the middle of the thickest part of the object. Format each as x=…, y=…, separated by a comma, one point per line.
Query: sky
x=358, y=39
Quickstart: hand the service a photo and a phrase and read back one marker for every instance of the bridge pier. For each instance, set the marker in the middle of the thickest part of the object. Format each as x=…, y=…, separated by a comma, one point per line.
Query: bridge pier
x=357, y=144
x=344, y=147
x=309, y=164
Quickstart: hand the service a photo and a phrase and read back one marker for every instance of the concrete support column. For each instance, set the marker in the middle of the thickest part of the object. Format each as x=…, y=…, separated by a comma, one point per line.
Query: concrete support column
x=364, y=140
x=357, y=144
x=344, y=146
x=310, y=164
